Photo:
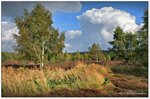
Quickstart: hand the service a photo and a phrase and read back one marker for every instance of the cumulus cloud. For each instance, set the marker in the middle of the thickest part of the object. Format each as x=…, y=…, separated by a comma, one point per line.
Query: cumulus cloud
x=72, y=33
x=97, y=25
x=13, y=9
x=67, y=45
x=6, y=35
x=73, y=38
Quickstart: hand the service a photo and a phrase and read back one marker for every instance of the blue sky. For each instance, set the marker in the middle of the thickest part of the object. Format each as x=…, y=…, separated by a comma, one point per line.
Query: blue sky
x=84, y=23
x=134, y=8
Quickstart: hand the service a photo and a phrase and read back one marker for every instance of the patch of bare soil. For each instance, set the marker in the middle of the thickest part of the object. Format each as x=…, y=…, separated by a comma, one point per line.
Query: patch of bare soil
x=129, y=86
x=74, y=93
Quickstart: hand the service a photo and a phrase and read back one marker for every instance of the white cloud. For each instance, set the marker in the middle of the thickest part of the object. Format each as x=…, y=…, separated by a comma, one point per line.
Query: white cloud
x=67, y=45
x=8, y=29
x=97, y=25
x=12, y=9
x=72, y=33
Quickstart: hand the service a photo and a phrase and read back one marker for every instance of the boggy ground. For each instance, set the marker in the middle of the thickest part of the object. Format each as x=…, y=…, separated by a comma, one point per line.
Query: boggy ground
x=71, y=80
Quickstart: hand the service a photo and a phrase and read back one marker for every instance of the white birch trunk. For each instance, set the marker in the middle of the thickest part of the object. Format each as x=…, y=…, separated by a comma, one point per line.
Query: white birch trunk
x=42, y=59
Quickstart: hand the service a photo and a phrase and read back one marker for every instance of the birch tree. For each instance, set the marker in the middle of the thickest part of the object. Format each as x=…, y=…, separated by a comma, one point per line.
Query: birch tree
x=124, y=44
x=37, y=40
x=96, y=53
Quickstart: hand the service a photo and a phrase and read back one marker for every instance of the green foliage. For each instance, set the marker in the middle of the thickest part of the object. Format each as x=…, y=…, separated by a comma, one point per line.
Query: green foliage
x=60, y=57
x=131, y=47
x=68, y=57
x=10, y=56
x=131, y=70
x=118, y=42
x=53, y=83
x=145, y=18
x=86, y=56
x=111, y=54
x=108, y=57
x=142, y=39
x=124, y=45
x=95, y=53
x=76, y=56
x=106, y=81
x=104, y=58
x=37, y=39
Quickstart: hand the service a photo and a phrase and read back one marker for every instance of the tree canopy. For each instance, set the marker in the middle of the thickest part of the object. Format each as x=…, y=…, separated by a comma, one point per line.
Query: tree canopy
x=142, y=39
x=37, y=39
x=124, y=44
x=96, y=53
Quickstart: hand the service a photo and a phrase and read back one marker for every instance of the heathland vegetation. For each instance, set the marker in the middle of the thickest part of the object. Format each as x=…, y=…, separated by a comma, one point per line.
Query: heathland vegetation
x=120, y=71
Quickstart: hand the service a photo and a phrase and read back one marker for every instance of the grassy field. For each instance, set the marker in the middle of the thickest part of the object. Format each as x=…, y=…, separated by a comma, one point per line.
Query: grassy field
x=80, y=80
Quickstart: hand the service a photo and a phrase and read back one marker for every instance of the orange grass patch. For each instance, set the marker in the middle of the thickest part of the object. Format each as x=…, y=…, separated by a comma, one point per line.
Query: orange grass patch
x=33, y=82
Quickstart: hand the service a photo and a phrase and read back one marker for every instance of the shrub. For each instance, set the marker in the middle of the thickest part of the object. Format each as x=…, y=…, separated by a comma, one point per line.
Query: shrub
x=131, y=70
x=106, y=81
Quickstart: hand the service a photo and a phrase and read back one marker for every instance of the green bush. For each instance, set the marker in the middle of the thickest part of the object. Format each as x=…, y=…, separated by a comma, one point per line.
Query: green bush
x=131, y=70
x=9, y=56
x=106, y=81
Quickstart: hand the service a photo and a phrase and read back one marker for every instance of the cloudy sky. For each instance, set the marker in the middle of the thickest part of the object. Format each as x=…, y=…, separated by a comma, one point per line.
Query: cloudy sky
x=84, y=23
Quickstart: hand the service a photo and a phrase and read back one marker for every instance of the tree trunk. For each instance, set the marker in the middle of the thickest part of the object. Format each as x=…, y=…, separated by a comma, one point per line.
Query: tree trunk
x=42, y=59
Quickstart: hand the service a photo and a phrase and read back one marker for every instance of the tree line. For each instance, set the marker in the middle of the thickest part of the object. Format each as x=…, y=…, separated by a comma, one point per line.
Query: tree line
x=129, y=46
x=40, y=42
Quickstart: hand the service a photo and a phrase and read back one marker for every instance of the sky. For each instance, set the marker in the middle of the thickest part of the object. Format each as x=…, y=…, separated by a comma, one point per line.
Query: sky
x=83, y=23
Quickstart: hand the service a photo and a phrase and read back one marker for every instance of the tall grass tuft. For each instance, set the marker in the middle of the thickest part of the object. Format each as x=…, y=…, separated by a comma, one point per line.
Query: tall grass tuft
x=34, y=82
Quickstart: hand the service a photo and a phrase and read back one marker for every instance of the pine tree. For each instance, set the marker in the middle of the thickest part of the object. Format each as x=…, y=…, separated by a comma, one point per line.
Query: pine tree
x=124, y=44
x=118, y=43
x=142, y=48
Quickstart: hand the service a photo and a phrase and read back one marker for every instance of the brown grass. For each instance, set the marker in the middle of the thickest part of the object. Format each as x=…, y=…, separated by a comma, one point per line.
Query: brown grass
x=79, y=79
x=34, y=82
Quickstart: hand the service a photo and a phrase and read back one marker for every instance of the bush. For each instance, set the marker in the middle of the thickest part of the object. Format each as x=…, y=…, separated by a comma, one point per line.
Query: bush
x=9, y=56
x=131, y=70
x=106, y=81
x=108, y=58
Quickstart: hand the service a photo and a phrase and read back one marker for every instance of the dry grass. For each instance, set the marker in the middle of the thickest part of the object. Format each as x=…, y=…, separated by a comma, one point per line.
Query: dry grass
x=23, y=82
x=124, y=82
x=79, y=80
x=34, y=82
